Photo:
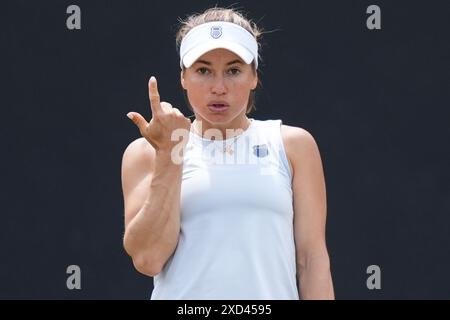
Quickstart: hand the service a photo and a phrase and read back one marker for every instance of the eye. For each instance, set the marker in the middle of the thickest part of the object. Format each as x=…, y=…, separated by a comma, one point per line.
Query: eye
x=234, y=71
x=203, y=70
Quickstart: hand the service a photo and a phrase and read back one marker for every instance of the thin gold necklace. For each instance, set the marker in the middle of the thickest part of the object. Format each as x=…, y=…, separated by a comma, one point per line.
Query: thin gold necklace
x=228, y=148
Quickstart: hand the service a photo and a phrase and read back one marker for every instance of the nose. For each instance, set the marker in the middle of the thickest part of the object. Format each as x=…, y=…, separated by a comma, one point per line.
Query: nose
x=218, y=86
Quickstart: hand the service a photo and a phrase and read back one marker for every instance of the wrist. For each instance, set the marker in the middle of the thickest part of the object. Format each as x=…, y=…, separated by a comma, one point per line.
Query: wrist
x=168, y=157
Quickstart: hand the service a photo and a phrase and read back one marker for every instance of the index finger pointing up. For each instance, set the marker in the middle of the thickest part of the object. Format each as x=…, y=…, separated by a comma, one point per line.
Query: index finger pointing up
x=155, y=104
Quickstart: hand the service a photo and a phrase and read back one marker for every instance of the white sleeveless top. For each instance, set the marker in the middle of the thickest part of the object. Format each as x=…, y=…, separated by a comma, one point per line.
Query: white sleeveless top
x=237, y=238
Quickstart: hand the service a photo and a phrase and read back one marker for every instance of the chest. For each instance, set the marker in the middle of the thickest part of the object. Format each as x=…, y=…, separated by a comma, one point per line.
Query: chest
x=262, y=186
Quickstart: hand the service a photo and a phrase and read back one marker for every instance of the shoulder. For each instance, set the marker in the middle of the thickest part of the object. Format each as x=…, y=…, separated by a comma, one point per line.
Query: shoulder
x=139, y=150
x=296, y=136
x=300, y=145
x=137, y=160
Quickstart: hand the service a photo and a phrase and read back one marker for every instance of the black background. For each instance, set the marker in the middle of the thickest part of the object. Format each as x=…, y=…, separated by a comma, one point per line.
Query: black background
x=376, y=102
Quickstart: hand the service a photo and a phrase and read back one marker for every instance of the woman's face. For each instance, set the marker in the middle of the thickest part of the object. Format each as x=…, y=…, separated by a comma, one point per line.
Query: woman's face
x=218, y=86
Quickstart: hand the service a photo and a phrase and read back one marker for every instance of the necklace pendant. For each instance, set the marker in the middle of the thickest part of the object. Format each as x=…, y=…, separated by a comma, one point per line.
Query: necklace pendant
x=229, y=150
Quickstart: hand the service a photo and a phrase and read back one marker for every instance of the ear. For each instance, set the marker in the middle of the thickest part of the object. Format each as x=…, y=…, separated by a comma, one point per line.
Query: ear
x=182, y=79
x=255, y=82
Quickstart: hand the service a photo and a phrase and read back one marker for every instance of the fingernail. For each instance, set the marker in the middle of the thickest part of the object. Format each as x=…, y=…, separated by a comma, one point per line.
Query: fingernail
x=130, y=115
x=152, y=78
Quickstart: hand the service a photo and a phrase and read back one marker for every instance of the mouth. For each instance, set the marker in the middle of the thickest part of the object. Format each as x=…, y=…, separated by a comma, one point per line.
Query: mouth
x=218, y=107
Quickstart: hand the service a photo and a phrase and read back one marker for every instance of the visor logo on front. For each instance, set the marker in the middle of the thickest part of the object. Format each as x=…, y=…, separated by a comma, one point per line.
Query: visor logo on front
x=216, y=32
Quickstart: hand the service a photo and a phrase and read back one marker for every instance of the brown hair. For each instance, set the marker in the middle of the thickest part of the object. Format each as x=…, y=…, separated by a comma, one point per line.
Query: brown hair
x=227, y=15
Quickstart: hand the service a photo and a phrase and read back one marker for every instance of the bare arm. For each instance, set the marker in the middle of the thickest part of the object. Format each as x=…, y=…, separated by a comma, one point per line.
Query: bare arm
x=313, y=263
x=152, y=207
x=151, y=182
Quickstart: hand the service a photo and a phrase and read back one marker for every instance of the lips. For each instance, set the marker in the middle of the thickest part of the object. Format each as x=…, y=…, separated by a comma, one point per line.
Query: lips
x=218, y=106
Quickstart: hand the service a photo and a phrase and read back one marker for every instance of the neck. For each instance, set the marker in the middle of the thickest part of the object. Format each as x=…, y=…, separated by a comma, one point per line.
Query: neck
x=229, y=130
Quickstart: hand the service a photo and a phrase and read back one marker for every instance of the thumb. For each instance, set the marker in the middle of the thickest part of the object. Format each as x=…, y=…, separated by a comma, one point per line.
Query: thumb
x=138, y=120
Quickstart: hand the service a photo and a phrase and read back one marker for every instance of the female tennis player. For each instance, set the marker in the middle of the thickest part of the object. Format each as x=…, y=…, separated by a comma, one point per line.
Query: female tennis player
x=234, y=208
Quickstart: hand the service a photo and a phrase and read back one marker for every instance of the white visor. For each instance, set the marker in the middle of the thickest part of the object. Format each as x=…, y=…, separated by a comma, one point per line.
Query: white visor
x=214, y=35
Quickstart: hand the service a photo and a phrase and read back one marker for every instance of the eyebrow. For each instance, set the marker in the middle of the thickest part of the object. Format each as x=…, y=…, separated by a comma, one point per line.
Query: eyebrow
x=229, y=63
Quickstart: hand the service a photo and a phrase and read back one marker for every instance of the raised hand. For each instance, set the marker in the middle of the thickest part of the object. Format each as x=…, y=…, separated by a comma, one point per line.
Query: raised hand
x=165, y=120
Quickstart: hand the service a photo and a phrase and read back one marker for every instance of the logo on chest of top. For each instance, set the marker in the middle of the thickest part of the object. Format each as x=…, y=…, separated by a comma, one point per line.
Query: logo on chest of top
x=260, y=150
